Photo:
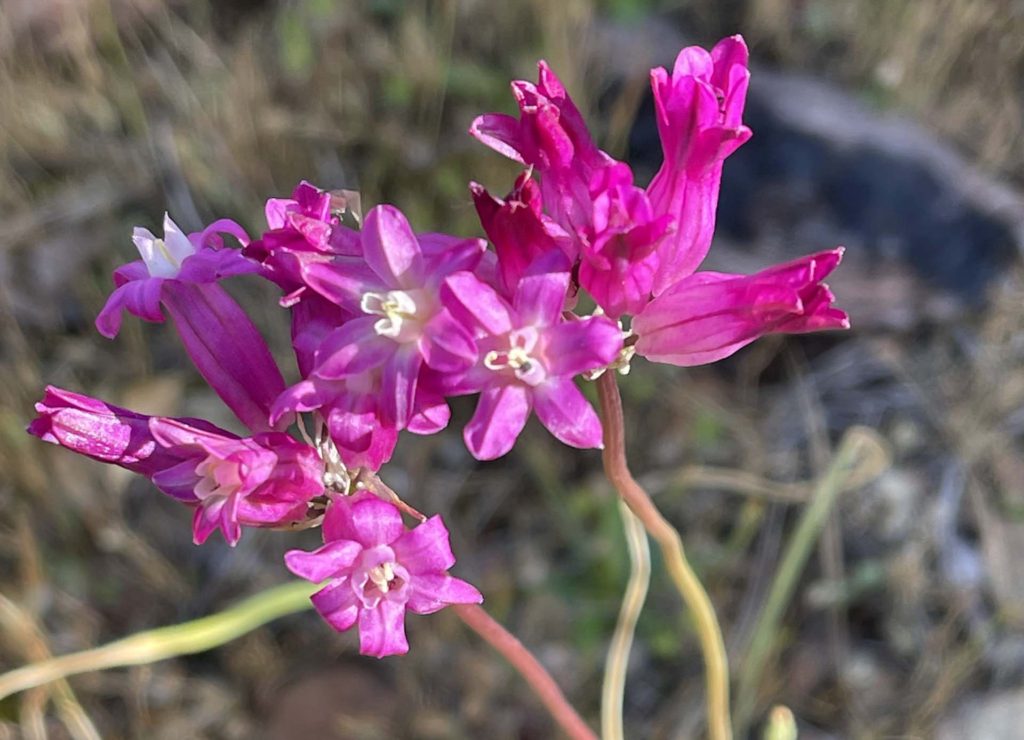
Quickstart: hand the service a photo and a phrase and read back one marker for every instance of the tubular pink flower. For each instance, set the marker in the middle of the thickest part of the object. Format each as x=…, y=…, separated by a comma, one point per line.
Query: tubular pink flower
x=264, y=480
x=528, y=357
x=227, y=349
x=180, y=273
x=619, y=260
x=699, y=109
x=519, y=231
x=302, y=231
x=551, y=136
x=377, y=570
x=196, y=258
x=401, y=325
x=710, y=315
x=102, y=431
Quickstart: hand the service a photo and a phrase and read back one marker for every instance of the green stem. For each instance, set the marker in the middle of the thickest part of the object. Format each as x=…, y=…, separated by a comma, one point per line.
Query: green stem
x=855, y=448
x=622, y=641
x=167, y=642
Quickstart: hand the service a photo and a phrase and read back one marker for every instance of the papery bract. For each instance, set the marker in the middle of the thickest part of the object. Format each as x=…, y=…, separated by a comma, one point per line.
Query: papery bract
x=376, y=570
x=528, y=357
x=710, y=315
x=698, y=109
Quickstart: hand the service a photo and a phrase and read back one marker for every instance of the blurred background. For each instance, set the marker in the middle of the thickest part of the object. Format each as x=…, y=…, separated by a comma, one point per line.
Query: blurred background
x=894, y=128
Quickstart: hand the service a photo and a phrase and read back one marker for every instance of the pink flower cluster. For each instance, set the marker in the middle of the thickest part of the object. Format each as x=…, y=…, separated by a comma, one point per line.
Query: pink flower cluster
x=388, y=323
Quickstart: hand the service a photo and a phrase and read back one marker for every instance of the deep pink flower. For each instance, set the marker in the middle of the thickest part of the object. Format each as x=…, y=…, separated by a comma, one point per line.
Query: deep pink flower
x=619, y=257
x=180, y=274
x=699, y=109
x=264, y=480
x=551, y=136
x=710, y=315
x=401, y=325
x=301, y=231
x=521, y=234
x=377, y=570
x=102, y=431
x=528, y=357
x=196, y=258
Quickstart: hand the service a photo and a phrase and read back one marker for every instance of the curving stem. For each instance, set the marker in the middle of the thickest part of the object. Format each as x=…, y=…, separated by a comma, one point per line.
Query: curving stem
x=529, y=667
x=686, y=582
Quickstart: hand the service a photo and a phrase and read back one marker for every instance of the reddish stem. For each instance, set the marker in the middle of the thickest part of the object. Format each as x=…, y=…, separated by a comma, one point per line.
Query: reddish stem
x=529, y=667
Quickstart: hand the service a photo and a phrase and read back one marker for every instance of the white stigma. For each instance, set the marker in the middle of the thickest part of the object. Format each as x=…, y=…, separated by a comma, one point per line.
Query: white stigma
x=396, y=307
x=382, y=576
x=517, y=358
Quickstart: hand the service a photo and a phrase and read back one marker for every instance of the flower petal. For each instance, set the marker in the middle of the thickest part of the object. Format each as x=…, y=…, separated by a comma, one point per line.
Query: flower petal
x=425, y=549
x=382, y=630
x=562, y=408
x=139, y=297
x=337, y=604
x=500, y=416
x=331, y=560
x=391, y=248
x=363, y=518
x=433, y=592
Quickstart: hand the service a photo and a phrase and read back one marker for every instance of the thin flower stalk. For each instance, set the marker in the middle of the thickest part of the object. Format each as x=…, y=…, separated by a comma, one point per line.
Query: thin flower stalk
x=617, y=662
x=709, y=632
x=529, y=667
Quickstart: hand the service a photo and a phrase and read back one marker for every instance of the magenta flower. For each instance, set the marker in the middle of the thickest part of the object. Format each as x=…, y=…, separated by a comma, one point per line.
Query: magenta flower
x=528, y=357
x=196, y=258
x=264, y=480
x=619, y=257
x=521, y=234
x=550, y=135
x=401, y=325
x=301, y=231
x=377, y=570
x=710, y=315
x=699, y=109
x=102, y=431
x=179, y=274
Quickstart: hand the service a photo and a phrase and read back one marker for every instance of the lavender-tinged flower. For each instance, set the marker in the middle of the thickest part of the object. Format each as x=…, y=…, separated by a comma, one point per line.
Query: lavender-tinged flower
x=699, y=109
x=264, y=480
x=402, y=325
x=179, y=274
x=528, y=357
x=377, y=570
x=102, y=431
x=710, y=315
x=197, y=258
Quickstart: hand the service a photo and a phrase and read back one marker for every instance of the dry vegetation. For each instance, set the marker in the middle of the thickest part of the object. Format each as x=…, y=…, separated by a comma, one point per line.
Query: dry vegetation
x=112, y=110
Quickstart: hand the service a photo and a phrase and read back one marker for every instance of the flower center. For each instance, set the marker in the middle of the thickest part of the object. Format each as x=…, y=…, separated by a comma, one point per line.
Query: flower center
x=383, y=576
x=217, y=478
x=517, y=357
x=397, y=307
